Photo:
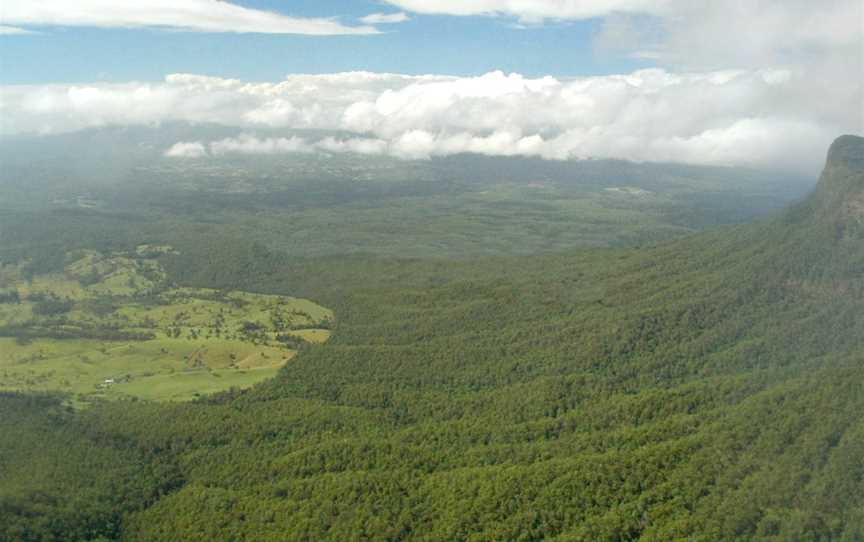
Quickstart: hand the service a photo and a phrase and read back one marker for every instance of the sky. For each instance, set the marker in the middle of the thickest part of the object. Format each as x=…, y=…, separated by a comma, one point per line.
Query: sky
x=763, y=83
x=421, y=44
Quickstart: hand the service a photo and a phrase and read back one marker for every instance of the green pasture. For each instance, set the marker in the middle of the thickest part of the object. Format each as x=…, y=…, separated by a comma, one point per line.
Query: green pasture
x=111, y=327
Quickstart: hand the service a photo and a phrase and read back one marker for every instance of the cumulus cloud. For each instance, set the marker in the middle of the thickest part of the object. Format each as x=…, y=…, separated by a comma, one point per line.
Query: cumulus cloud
x=187, y=150
x=385, y=18
x=248, y=144
x=189, y=15
x=771, y=117
x=768, y=83
x=823, y=40
x=299, y=101
x=763, y=83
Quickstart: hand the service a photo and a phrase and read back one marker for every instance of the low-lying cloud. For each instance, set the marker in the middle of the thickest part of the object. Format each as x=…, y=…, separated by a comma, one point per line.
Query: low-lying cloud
x=250, y=144
x=741, y=117
x=183, y=149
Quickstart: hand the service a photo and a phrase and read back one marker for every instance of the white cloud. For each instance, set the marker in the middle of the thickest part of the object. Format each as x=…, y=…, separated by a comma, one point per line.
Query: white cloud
x=757, y=33
x=251, y=145
x=532, y=10
x=357, y=145
x=698, y=36
x=742, y=117
x=190, y=15
x=187, y=150
x=385, y=18
x=248, y=144
x=14, y=31
x=765, y=83
x=776, y=118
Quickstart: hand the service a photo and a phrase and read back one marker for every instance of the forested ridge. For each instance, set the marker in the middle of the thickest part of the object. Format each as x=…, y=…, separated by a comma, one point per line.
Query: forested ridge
x=708, y=388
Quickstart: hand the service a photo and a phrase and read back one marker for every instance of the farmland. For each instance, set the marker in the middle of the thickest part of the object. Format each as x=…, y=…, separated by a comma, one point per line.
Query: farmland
x=112, y=326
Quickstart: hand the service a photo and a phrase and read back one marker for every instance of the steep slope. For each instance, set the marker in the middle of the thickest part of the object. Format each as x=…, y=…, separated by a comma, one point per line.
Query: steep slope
x=824, y=236
x=707, y=389
x=839, y=196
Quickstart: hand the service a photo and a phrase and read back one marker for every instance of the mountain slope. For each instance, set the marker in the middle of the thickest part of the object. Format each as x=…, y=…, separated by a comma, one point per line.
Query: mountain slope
x=706, y=389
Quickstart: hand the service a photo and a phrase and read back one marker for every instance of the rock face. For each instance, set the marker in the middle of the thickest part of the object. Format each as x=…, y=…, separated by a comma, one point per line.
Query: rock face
x=839, y=196
x=836, y=207
x=847, y=150
x=822, y=239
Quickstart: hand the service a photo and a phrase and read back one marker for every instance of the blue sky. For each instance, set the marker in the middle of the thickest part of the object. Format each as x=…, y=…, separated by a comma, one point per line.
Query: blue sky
x=425, y=44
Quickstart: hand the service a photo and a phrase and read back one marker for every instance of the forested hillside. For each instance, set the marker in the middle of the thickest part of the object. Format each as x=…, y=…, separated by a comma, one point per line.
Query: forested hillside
x=708, y=388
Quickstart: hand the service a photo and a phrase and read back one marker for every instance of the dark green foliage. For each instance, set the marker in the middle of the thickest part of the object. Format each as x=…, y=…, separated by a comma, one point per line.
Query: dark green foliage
x=98, y=333
x=705, y=389
x=64, y=480
x=10, y=297
x=52, y=306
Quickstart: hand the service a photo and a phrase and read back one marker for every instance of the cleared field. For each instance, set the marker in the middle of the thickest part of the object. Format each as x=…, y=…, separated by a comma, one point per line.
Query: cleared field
x=111, y=327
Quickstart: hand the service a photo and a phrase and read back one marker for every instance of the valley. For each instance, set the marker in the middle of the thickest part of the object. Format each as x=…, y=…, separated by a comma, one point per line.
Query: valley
x=431, y=271
x=701, y=387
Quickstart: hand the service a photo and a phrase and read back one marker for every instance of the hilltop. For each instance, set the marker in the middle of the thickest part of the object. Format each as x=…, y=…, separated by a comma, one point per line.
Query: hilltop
x=839, y=195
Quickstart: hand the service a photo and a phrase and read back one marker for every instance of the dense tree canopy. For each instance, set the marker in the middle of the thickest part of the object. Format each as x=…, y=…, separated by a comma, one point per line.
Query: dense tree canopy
x=708, y=388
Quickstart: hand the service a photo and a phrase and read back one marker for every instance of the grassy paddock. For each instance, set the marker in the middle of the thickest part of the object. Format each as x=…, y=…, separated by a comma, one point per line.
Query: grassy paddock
x=110, y=326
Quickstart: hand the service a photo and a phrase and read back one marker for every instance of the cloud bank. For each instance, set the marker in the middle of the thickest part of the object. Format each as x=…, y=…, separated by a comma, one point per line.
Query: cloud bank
x=740, y=117
x=763, y=83
x=188, y=15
